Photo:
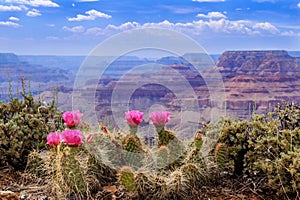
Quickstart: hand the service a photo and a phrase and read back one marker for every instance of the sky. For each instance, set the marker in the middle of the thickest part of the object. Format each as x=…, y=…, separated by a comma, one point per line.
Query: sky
x=52, y=27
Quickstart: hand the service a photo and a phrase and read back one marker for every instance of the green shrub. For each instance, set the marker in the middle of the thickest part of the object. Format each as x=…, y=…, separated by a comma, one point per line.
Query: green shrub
x=234, y=134
x=277, y=155
x=24, y=125
x=268, y=146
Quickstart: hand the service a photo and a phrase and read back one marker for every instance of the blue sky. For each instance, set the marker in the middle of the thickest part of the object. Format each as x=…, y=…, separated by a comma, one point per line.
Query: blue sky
x=52, y=27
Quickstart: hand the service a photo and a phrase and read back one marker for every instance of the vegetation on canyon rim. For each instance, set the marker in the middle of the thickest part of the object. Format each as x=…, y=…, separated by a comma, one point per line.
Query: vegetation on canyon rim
x=57, y=146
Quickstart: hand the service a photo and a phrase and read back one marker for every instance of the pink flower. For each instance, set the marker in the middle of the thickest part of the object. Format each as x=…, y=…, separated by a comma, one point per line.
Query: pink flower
x=134, y=117
x=72, y=137
x=72, y=118
x=160, y=118
x=53, y=139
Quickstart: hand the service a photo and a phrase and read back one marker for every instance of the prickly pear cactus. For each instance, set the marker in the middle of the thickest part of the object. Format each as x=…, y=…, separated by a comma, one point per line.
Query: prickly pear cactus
x=177, y=185
x=71, y=170
x=221, y=154
x=151, y=186
x=126, y=178
x=142, y=184
x=132, y=144
x=163, y=157
x=165, y=136
x=191, y=173
x=198, y=140
x=133, y=154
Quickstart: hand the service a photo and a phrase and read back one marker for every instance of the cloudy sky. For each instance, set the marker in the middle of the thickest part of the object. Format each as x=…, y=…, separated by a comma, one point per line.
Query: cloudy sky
x=66, y=27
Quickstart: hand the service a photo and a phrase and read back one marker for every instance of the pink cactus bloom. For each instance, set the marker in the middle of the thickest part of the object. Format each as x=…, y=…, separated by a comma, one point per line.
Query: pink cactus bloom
x=53, y=139
x=134, y=117
x=72, y=137
x=72, y=118
x=160, y=118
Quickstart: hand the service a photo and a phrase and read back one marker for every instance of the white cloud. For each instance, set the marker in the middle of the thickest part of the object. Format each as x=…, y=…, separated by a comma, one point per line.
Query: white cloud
x=122, y=27
x=10, y=24
x=33, y=13
x=212, y=15
x=91, y=15
x=289, y=33
x=208, y=0
x=75, y=29
x=14, y=18
x=12, y=8
x=298, y=5
x=199, y=27
x=266, y=26
x=34, y=3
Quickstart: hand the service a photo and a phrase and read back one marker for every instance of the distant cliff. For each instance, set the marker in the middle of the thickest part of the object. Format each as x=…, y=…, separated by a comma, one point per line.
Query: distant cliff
x=40, y=76
x=11, y=66
x=256, y=81
x=258, y=62
x=6, y=58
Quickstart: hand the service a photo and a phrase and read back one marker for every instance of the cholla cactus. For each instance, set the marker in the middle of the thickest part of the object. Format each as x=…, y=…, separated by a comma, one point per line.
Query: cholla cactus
x=276, y=151
x=235, y=135
x=24, y=125
x=126, y=178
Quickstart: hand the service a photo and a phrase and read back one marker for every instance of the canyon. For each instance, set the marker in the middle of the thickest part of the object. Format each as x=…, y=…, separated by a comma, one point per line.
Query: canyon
x=235, y=84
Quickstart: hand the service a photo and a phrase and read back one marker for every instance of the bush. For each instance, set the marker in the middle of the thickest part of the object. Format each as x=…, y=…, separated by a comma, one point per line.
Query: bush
x=268, y=146
x=277, y=152
x=24, y=125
